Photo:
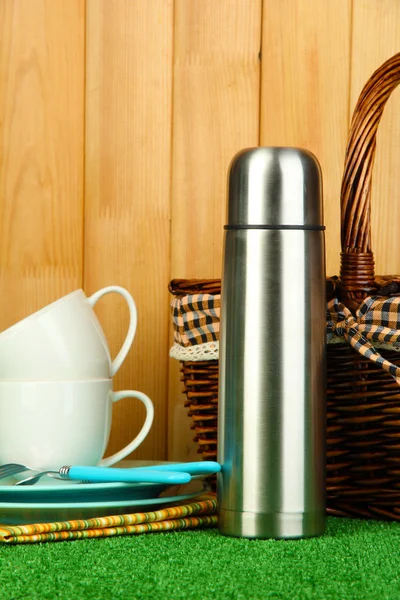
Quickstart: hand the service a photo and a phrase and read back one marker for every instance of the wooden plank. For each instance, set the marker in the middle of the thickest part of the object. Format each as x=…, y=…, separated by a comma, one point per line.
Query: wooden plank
x=381, y=19
x=215, y=114
x=127, y=208
x=41, y=153
x=305, y=91
x=216, y=107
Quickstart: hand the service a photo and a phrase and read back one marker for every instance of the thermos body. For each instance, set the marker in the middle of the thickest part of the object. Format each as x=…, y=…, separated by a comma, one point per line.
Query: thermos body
x=272, y=378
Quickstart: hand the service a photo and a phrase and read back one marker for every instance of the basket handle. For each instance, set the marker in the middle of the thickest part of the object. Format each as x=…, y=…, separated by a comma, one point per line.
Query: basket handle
x=357, y=274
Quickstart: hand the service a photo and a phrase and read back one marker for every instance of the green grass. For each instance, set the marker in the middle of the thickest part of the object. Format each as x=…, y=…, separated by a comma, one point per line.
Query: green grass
x=354, y=559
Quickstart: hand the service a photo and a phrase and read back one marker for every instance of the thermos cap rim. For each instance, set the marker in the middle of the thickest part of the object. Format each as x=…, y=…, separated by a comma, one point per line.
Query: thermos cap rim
x=277, y=227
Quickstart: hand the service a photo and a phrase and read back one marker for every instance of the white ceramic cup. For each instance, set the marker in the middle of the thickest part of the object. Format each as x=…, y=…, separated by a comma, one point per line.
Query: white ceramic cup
x=63, y=341
x=49, y=424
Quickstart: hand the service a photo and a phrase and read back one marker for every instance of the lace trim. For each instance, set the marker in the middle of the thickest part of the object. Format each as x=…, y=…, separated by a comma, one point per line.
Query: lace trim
x=210, y=350
x=207, y=351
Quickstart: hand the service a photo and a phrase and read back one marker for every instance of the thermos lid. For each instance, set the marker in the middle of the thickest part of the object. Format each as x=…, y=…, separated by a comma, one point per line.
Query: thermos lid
x=275, y=187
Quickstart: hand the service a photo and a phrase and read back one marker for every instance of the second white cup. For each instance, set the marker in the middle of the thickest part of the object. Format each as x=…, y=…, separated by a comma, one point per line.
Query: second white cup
x=49, y=424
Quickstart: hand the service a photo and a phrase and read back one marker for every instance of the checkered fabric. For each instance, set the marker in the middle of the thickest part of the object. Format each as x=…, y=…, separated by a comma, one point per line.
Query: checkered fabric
x=377, y=320
x=196, y=321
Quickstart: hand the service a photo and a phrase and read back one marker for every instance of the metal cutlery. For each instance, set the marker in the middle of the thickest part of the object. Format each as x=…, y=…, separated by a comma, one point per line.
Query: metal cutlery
x=111, y=475
x=172, y=473
x=10, y=469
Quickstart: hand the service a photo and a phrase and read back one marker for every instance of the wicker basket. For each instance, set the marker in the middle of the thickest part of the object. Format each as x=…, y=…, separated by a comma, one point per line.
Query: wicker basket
x=363, y=420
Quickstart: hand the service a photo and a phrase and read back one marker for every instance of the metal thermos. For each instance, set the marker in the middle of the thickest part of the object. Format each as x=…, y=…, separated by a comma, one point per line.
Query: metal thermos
x=272, y=379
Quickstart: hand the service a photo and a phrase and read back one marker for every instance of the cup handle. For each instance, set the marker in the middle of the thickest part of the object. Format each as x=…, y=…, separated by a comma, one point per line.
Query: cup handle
x=116, y=396
x=119, y=359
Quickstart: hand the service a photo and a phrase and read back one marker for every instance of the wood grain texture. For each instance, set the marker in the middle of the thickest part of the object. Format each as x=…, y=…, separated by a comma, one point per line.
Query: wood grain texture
x=305, y=91
x=216, y=107
x=375, y=38
x=41, y=153
x=215, y=114
x=127, y=192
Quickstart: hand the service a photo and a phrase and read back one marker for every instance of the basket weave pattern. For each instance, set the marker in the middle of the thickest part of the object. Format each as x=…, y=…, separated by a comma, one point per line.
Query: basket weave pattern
x=363, y=408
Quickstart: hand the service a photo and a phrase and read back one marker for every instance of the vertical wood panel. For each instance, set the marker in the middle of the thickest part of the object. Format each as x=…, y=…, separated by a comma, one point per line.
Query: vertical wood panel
x=127, y=212
x=376, y=37
x=41, y=153
x=216, y=106
x=305, y=91
x=215, y=114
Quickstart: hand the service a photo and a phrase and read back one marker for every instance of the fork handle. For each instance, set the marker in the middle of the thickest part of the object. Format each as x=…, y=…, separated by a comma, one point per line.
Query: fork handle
x=200, y=467
x=104, y=474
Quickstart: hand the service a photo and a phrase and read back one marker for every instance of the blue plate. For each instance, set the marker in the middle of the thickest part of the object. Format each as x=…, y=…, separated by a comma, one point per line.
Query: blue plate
x=55, y=490
x=79, y=492
x=15, y=513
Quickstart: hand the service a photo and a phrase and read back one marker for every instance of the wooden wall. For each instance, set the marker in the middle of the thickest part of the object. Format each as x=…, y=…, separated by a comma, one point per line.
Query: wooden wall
x=118, y=119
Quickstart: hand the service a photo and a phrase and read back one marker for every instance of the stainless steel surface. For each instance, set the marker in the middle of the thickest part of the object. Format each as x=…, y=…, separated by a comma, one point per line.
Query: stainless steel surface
x=10, y=469
x=271, y=424
x=290, y=180
x=33, y=479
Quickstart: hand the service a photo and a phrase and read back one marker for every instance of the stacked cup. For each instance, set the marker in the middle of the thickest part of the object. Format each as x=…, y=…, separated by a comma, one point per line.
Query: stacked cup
x=56, y=387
